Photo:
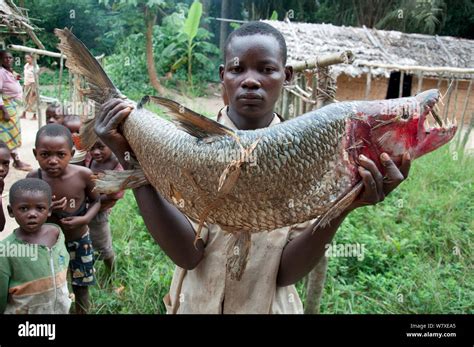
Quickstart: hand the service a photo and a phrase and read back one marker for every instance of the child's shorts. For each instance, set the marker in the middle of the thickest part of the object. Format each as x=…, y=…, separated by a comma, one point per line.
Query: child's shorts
x=101, y=236
x=81, y=262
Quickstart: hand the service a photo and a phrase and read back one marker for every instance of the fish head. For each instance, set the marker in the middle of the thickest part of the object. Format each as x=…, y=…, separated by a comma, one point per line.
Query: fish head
x=397, y=126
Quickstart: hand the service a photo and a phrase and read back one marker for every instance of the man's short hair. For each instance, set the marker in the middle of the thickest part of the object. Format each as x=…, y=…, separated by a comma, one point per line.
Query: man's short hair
x=29, y=185
x=54, y=130
x=259, y=28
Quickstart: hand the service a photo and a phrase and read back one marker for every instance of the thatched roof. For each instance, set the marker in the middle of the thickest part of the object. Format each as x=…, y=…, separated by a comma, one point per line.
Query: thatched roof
x=305, y=40
x=13, y=21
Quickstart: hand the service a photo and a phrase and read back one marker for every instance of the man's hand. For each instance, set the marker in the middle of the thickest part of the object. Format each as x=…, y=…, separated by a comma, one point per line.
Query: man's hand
x=377, y=187
x=70, y=223
x=113, y=113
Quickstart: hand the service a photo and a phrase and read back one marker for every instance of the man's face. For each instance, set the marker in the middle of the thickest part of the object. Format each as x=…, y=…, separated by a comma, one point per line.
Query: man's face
x=53, y=154
x=253, y=74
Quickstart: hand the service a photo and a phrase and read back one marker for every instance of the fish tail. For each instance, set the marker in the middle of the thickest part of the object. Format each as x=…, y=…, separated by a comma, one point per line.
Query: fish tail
x=100, y=88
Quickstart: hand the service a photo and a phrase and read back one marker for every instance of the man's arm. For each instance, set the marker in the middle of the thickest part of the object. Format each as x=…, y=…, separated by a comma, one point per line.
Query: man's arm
x=167, y=225
x=302, y=254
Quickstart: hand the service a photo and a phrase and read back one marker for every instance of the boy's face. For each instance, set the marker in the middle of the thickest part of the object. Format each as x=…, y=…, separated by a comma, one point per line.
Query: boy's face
x=30, y=210
x=253, y=74
x=54, y=116
x=53, y=154
x=4, y=162
x=100, y=152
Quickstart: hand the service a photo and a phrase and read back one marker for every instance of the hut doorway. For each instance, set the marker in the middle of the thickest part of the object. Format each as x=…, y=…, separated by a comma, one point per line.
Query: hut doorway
x=393, y=90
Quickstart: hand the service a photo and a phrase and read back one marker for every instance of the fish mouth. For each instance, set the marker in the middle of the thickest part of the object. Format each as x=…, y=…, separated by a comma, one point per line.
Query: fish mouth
x=429, y=102
x=432, y=131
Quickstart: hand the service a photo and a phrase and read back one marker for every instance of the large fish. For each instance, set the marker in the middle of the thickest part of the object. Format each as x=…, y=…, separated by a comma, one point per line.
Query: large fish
x=256, y=180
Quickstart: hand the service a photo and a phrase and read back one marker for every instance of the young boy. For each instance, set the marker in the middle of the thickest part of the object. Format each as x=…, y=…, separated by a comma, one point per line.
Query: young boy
x=99, y=159
x=73, y=123
x=4, y=169
x=252, y=76
x=33, y=280
x=74, y=204
x=54, y=114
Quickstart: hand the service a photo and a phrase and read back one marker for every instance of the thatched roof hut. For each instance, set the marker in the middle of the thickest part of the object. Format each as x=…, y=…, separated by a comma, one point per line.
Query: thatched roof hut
x=386, y=63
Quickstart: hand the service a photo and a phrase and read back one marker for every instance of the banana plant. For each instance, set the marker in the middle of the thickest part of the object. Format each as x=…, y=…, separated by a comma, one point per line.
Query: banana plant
x=190, y=29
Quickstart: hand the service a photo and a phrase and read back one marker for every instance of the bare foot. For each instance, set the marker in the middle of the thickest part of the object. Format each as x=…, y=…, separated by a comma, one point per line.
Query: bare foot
x=34, y=117
x=23, y=115
x=19, y=165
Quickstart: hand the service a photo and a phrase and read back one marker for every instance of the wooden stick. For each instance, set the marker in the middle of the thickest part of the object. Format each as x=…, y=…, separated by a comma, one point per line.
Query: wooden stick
x=448, y=92
x=400, y=86
x=368, y=84
x=346, y=57
x=420, y=82
x=455, y=100
x=466, y=102
x=37, y=91
x=61, y=68
x=453, y=70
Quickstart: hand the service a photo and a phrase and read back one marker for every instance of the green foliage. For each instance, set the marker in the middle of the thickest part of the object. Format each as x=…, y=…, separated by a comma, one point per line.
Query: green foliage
x=190, y=29
x=127, y=67
x=418, y=251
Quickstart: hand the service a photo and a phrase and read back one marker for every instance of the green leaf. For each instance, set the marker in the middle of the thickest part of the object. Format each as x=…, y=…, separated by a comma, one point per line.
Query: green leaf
x=179, y=63
x=191, y=24
x=274, y=15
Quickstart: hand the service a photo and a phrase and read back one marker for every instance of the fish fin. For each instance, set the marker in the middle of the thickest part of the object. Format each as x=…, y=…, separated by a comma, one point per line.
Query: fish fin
x=99, y=86
x=192, y=122
x=339, y=206
x=114, y=181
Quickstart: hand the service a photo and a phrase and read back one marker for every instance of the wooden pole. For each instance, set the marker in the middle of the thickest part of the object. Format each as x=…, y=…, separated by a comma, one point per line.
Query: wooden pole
x=466, y=102
x=346, y=57
x=445, y=69
x=61, y=68
x=420, y=82
x=455, y=100
x=449, y=92
x=368, y=84
x=400, y=86
x=37, y=91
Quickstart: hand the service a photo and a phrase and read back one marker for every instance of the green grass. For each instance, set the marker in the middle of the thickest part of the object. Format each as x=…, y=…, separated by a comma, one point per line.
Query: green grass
x=418, y=251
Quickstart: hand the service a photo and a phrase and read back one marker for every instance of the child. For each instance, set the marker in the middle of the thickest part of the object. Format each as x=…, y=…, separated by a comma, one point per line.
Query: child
x=4, y=168
x=30, y=97
x=34, y=282
x=101, y=158
x=73, y=123
x=252, y=76
x=74, y=203
x=54, y=114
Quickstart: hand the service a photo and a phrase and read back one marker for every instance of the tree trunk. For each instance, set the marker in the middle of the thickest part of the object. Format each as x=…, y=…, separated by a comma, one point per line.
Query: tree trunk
x=224, y=25
x=150, y=19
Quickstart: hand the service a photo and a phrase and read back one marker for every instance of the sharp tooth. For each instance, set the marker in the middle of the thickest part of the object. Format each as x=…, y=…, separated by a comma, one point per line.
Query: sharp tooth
x=437, y=119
